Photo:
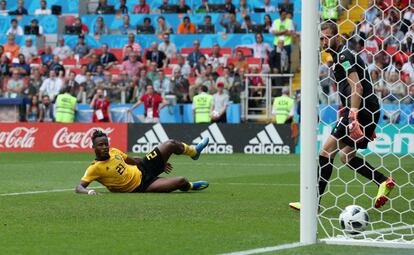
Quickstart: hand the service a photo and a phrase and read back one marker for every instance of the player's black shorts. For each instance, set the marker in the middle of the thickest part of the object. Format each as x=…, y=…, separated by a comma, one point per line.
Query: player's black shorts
x=368, y=121
x=151, y=166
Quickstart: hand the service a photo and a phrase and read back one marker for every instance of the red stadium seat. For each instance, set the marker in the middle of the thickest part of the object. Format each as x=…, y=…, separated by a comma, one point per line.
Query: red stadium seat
x=76, y=70
x=206, y=51
x=186, y=51
x=391, y=50
x=118, y=53
x=254, y=61
x=115, y=71
x=371, y=49
x=167, y=71
x=226, y=51
x=231, y=60
x=97, y=51
x=191, y=80
x=69, y=62
x=246, y=51
x=84, y=61
x=36, y=61
x=173, y=61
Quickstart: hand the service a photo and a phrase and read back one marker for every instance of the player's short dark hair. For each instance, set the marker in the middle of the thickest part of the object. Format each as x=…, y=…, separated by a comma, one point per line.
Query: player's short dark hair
x=96, y=134
x=331, y=26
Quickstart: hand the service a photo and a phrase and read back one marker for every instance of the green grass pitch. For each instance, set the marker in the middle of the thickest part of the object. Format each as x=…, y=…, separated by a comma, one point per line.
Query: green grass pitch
x=245, y=207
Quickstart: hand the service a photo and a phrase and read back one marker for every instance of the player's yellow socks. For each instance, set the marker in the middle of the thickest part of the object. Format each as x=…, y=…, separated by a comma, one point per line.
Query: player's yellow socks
x=189, y=150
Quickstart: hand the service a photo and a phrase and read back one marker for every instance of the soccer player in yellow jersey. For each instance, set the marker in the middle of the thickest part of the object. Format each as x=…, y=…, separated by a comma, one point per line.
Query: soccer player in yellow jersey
x=120, y=173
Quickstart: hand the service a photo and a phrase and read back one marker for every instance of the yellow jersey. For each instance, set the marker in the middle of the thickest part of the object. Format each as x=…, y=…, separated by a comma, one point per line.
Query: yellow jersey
x=114, y=173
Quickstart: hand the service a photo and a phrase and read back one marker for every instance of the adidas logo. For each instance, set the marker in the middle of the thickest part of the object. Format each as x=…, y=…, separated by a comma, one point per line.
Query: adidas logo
x=217, y=143
x=267, y=141
x=151, y=139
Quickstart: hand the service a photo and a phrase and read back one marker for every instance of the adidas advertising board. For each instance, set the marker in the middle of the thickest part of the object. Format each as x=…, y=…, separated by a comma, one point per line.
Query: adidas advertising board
x=249, y=138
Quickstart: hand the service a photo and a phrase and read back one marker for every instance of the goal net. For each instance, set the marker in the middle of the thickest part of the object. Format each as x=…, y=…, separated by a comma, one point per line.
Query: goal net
x=381, y=33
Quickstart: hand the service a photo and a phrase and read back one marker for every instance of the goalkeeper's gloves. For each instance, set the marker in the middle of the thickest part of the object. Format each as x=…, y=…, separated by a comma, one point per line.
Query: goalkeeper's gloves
x=354, y=128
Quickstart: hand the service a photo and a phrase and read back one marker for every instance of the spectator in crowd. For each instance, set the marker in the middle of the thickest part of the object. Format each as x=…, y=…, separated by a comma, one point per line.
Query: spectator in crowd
x=226, y=79
x=15, y=85
x=102, y=5
x=65, y=107
x=100, y=28
x=231, y=25
x=201, y=65
x=408, y=18
x=257, y=83
x=15, y=29
x=241, y=61
x=364, y=28
x=154, y=55
x=57, y=67
x=43, y=9
x=153, y=71
x=21, y=66
x=153, y=103
x=51, y=86
x=81, y=77
x=165, y=7
x=162, y=85
x=100, y=105
x=407, y=45
x=32, y=114
x=141, y=8
x=4, y=66
x=267, y=24
x=207, y=21
x=371, y=12
x=72, y=84
x=183, y=7
x=211, y=71
x=283, y=28
x=396, y=37
x=185, y=68
x=330, y=10
x=35, y=23
x=220, y=102
x=381, y=25
x=35, y=82
x=126, y=51
x=179, y=86
x=371, y=43
x=126, y=26
x=195, y=55
x=131, y=42
x=244, y=8
x=238, y=87
x=143, y=81
x=260, y=49
x=83, y=27
x=278, y=59
x=81, y=49
x=204, y=7
x=3, y=8
x=107, y=83
x=216, y=59
x=47, y=56
x=163, y=27
x=268, y=7
x=29, y=50
x=201, y=80
x=99, y=75
x=20, y=9
x=93, y=63
x=283, y=108
x=247, y=22
x=202, y=106
x=408, y=67
x=395, y=90
x=107, y=59
x=147, y=25
x=46, y=110
x=132, y=65
x=61, y=50
x=186, y=27
x=88, y=87
x=168, y=47
x=123, y=8
x=229, y=7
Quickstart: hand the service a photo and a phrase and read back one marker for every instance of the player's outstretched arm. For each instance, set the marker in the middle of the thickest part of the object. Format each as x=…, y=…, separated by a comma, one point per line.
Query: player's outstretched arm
x=82, y=189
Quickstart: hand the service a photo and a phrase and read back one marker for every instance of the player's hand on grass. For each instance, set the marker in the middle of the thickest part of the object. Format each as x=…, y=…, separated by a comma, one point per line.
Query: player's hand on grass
x=92, y=192
x=168, y=168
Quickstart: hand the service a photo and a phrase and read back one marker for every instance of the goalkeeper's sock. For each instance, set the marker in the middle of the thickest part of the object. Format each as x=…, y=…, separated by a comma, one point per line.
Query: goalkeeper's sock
x=324, y=172
x=189, y=150
x=365, y=169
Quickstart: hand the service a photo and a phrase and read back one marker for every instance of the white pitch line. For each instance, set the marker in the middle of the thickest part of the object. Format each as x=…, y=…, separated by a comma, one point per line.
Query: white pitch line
x=41, y=191
x=267, y=249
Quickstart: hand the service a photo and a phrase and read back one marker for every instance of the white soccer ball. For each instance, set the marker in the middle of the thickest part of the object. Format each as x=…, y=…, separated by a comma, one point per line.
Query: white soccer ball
x=354, y=219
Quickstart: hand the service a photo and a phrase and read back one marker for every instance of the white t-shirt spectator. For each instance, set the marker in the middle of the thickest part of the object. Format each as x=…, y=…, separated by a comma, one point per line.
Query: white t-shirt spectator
x=43, y=12
x=170, y=50
x=15, y=31
x=62, y=52
x=51, y=87
x=28, y=52
x=409, y=69
x=220, y=102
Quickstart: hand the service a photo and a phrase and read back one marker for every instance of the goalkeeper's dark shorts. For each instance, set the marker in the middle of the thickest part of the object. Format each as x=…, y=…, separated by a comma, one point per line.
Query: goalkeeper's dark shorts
x=368, y=122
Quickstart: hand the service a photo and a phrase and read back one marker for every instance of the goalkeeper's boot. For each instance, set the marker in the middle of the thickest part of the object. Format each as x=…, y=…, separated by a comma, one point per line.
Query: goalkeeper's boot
x=199, y=147
x=295, y=205
x=383, y=191
x=199, y=185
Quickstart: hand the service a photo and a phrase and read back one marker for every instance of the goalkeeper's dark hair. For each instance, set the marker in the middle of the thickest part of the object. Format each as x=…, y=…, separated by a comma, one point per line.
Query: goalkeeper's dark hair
x=97, y=133
x=331, y=26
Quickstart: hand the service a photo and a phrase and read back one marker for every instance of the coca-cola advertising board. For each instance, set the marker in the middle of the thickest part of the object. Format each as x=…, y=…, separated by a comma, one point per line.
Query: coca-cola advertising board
x=43, y=137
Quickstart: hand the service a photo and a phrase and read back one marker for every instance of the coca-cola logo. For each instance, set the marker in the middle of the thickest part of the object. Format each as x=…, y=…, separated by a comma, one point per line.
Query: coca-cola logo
x=19, y=137
x=65, y=139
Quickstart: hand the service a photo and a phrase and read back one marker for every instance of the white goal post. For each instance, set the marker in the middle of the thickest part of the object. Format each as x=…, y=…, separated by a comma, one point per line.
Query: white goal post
x=395, y=231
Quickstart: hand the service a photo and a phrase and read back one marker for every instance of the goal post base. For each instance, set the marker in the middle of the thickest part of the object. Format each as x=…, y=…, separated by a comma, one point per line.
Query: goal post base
x=369, y=243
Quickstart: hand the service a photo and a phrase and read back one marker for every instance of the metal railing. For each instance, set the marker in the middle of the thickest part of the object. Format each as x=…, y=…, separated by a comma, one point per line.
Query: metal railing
x=255, y=106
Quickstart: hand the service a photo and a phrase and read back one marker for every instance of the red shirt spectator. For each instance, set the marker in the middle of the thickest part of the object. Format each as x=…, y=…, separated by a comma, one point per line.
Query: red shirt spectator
x=142, y=7
x=100, y=106
x=152, y=102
